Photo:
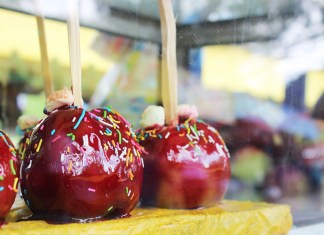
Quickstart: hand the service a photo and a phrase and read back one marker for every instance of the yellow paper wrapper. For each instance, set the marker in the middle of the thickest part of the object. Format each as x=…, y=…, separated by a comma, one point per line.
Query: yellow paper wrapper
x=229, y=217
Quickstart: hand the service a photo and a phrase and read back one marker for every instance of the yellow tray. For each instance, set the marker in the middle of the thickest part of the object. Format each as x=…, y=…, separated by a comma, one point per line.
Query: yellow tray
x=229, y=217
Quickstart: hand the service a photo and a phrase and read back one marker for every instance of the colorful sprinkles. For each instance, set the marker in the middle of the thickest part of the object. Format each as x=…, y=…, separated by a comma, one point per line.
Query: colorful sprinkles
x=189, y=129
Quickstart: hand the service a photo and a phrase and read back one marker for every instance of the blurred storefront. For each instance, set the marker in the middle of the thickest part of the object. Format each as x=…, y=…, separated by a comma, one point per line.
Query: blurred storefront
x=256, y=74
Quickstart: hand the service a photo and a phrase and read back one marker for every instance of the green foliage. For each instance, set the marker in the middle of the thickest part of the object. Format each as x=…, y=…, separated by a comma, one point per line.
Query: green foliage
x=20, y=71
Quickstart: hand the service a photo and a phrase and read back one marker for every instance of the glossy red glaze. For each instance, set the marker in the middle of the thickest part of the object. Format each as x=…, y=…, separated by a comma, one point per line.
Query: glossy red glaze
x=82, y=166
x=186, y=166
x=8, y=175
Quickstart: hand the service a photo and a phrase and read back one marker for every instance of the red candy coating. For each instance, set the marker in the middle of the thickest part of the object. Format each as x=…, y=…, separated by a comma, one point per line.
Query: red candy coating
x=82, y=166
x=186, y=166
x=8, y=175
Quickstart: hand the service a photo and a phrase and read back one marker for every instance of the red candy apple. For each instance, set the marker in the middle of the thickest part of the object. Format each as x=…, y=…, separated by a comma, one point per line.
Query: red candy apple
x=187, y=166
x=79, y=166
x=8, y=175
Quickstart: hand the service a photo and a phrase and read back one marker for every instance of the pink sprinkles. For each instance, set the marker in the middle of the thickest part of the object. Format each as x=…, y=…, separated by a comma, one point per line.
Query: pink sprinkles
x=91, y=190
x=56, y=138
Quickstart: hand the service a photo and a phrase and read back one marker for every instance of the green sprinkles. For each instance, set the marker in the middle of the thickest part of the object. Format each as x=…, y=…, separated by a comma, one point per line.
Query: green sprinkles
x=109, y=108
x=195, y=127
x=110, y=208
x=71, y=135
x=126, y=190
x=1, y=177
x=119, y=136
x=12, y=168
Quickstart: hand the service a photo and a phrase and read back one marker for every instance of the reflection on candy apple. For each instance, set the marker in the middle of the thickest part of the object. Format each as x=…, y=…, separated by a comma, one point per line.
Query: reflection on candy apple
x=8, y=175
x=186, y=166
x=82, y=165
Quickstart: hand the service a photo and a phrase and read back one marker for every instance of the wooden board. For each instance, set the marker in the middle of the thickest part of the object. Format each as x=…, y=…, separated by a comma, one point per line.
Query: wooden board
x=229, y=217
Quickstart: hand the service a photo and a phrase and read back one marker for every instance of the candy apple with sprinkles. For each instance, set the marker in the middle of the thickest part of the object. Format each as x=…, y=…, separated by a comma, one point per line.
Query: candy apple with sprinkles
x=187, y=165
x=80, y=165
x=189, y=161
x=8, y=175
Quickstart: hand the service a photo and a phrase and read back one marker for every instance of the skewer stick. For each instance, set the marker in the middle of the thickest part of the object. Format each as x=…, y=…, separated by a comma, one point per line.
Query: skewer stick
x=48, y=81
x=74, y=46
x=169, y=62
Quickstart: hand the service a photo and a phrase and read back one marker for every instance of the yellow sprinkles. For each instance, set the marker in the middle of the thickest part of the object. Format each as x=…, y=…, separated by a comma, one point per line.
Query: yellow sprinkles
x=131, y=176
x=110, y=117
x=15, y=186
x=70, y=166
x=39, y=145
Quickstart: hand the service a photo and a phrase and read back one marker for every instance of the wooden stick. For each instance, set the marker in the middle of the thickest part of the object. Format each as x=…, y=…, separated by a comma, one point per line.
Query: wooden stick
x=169, y=62
x=48, y=81
x=74, y=45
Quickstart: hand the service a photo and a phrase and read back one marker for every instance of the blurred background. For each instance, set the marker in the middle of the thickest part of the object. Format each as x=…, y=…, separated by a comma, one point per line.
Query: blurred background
x=253, y=68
